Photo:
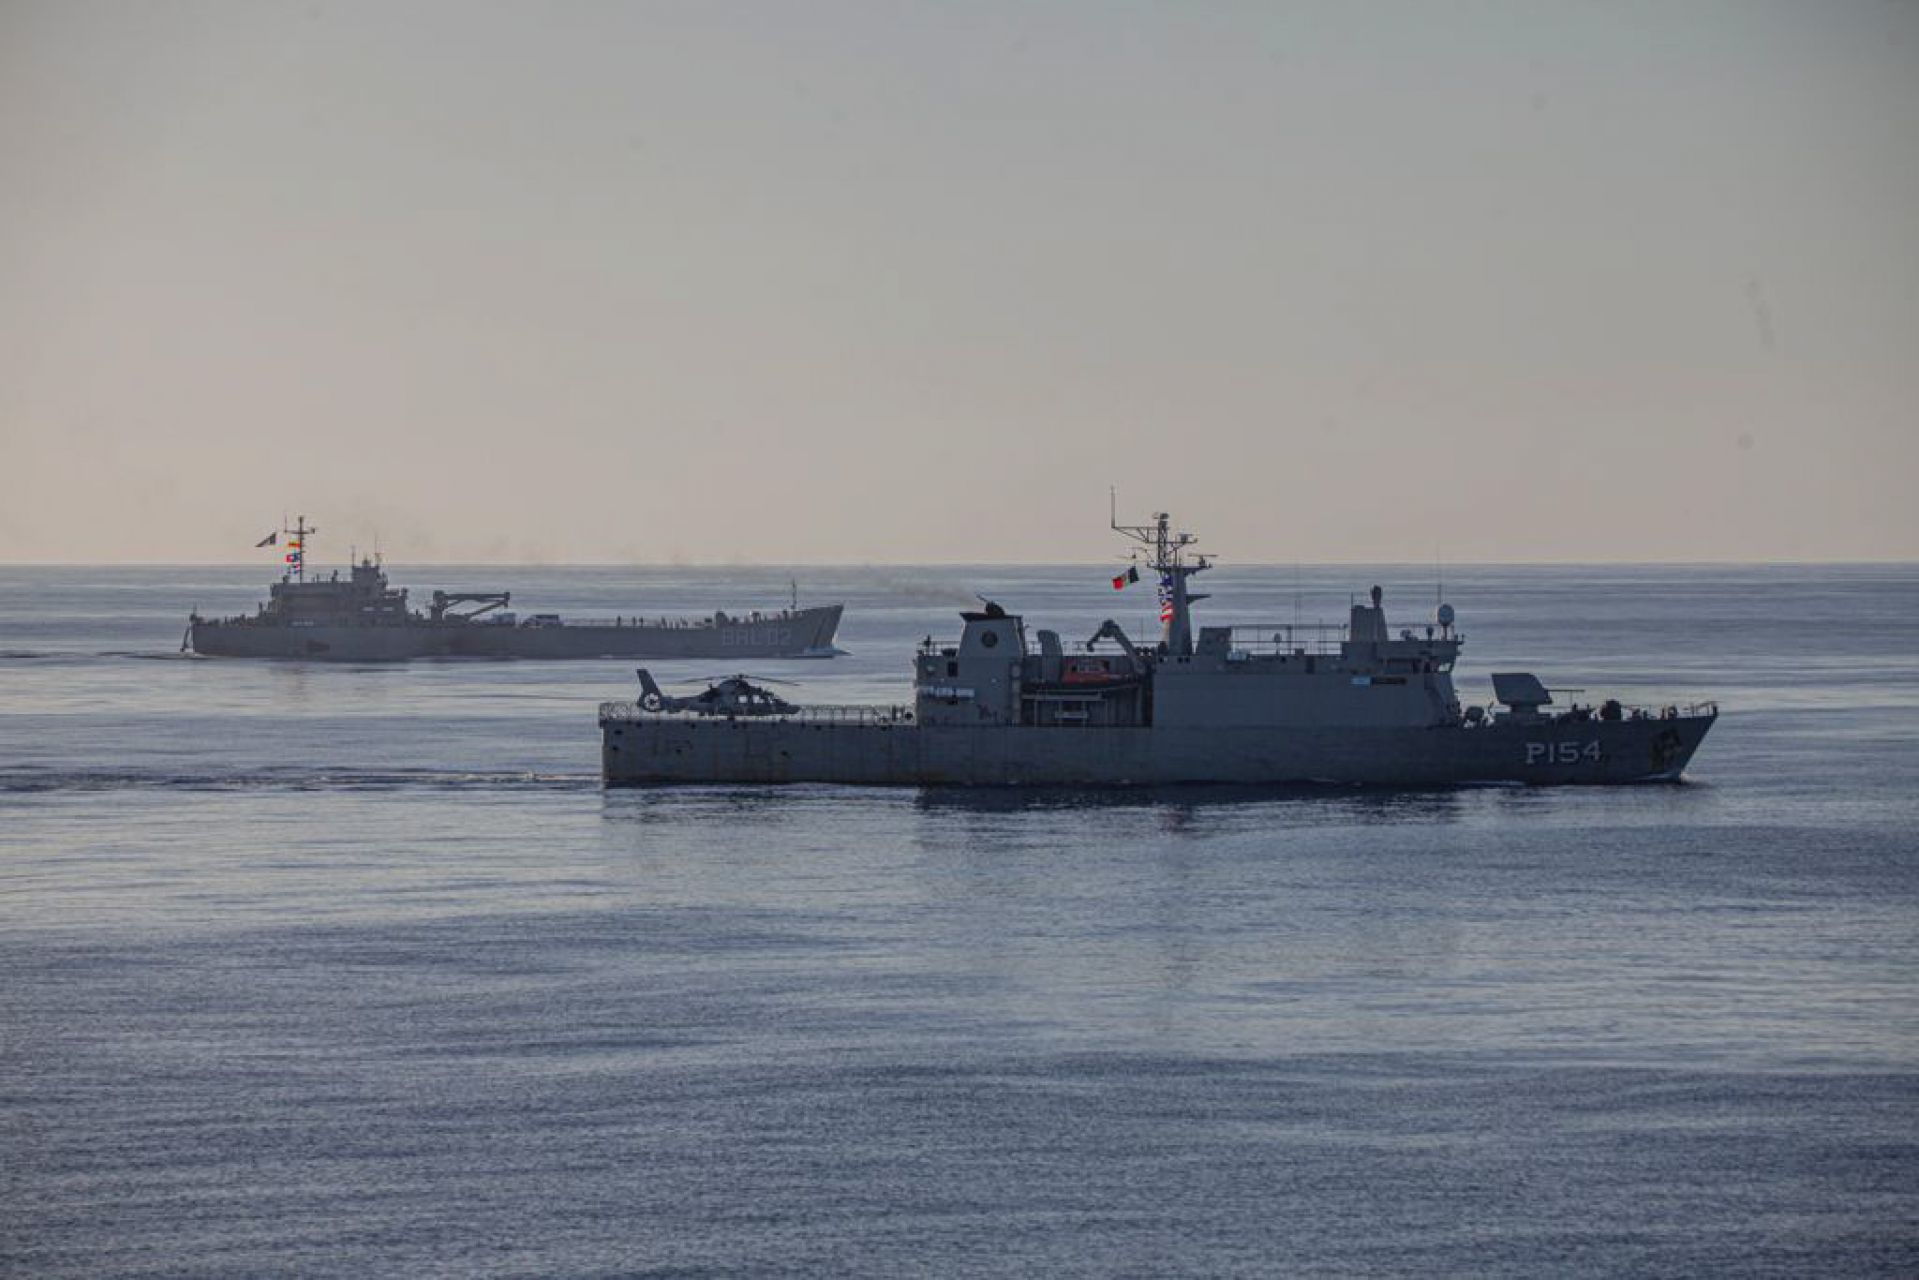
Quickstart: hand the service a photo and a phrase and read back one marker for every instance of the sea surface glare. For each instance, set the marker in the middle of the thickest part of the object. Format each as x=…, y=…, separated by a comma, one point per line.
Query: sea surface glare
x=357, y=970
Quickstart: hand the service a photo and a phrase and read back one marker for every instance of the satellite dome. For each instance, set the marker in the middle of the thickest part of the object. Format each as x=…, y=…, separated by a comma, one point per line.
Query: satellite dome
x=1445, y=615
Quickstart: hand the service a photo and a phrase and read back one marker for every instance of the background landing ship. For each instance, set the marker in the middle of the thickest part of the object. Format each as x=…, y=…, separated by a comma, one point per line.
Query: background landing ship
x=360, y=618
x=1259, y=704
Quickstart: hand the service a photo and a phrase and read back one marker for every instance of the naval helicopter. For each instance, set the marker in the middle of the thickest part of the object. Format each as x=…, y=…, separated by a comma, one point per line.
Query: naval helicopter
x=733, y=695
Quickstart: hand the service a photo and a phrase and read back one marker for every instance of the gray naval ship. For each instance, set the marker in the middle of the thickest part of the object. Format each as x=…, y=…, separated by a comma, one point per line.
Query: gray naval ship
x=359, y=618
x=1232, y=705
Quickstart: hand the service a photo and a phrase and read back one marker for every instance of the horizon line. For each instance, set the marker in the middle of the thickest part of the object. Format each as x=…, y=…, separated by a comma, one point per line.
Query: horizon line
x=1424, y=565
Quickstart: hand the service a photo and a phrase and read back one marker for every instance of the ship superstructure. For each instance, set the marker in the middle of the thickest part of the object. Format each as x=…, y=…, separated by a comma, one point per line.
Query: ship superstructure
x=1260, y=704
x=362, y=618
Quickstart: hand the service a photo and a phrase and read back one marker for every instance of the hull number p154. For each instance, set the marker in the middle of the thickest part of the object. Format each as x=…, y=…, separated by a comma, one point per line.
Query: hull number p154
x=1561, y=752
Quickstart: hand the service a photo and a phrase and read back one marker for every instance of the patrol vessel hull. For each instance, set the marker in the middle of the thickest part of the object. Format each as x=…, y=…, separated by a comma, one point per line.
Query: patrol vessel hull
x=640, y=749
x=1259, y=704
x=802, y=633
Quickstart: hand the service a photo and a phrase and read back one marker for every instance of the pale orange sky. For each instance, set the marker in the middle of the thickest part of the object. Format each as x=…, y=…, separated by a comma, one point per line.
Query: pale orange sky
x=896, y=282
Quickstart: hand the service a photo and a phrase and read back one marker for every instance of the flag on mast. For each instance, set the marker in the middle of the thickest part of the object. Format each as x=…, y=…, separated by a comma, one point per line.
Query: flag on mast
x=1131, y=575
x=267, y=541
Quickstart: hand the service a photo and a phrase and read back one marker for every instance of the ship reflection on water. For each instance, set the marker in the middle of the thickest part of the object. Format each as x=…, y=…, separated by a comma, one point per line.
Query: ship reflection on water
x=1289, y=805
x=1285, y=806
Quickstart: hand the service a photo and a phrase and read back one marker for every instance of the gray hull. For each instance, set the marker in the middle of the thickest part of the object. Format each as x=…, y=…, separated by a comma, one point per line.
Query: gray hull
x=640, y=749
x=806, y=633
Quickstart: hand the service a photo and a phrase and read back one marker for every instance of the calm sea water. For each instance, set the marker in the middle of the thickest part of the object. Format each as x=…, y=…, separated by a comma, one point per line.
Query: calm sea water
x=338, y=970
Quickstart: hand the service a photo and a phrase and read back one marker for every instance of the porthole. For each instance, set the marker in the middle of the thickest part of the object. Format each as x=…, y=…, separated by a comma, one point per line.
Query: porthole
x=989, y=639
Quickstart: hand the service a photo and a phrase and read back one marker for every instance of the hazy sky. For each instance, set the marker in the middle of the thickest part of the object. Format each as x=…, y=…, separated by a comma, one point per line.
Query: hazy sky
x=872, y=282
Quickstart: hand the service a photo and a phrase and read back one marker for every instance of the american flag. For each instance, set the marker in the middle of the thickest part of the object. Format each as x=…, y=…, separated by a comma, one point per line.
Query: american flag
x=1166, y=598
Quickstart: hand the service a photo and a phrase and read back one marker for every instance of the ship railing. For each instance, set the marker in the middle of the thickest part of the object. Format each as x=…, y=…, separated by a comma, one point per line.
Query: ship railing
x=947, y=648
x=1666, y=711
x=1315, y=639
x=853, y=714
x=1631, y=711
x=703, y=622
x=825, y=714
x=1582, y=712
x=930, y=647
x=640, y=620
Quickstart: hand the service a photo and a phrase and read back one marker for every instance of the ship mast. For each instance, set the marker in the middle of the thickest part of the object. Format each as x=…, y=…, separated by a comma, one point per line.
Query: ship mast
x=297, y=562
x=1166, y=554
